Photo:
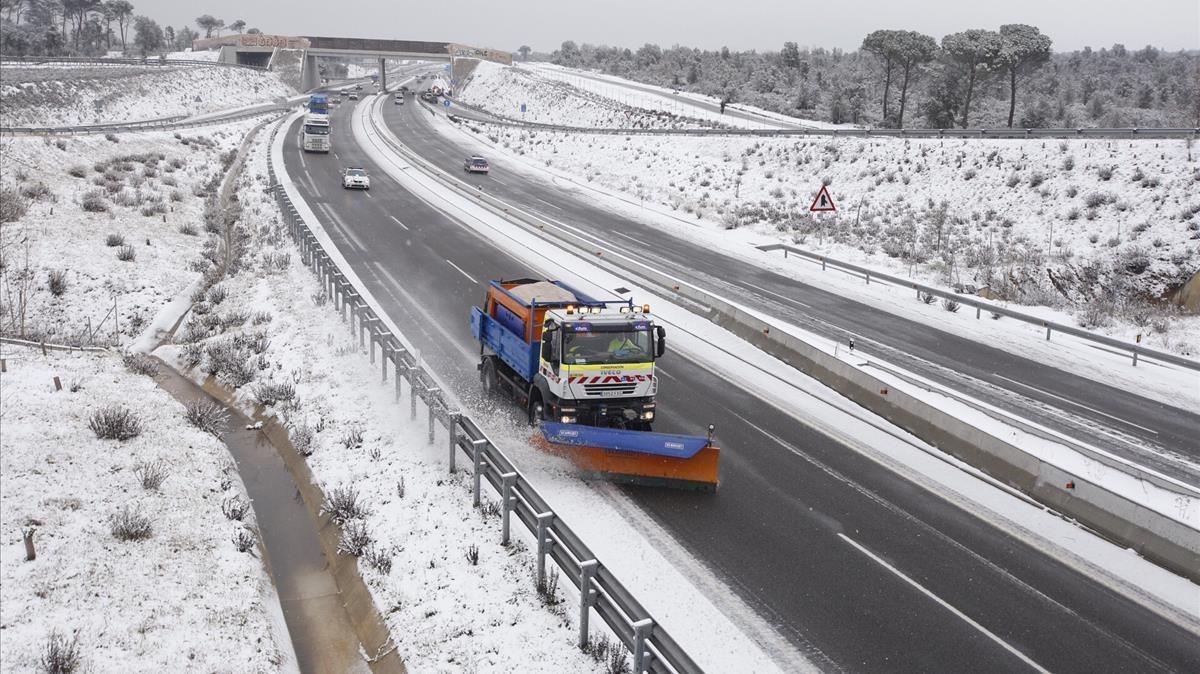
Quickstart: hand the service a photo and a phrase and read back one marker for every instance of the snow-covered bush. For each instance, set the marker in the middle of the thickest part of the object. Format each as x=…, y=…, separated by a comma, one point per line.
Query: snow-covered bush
x=60, y=654
x=355, y=538
x=152, y=474
x=115, y=423
x=206, y=415
x=342, y=505
x=130, y=524
x=235, y=508
x=140, y=363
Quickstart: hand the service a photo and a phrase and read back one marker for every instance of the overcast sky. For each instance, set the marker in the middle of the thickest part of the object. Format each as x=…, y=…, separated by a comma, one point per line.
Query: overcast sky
x=740, y=24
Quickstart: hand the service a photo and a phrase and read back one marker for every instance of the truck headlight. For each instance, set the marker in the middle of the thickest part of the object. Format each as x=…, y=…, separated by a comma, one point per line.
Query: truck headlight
x=567, y=419
x=648, y=415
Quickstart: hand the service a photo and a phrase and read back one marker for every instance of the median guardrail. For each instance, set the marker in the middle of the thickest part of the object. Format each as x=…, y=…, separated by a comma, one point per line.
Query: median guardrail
x=600, y=591
x=1160, y=538
x=1136, y=351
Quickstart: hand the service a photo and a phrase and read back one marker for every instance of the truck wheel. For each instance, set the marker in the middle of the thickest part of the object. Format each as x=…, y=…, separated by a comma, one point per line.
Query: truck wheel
x=537, y=409
x=487, y=378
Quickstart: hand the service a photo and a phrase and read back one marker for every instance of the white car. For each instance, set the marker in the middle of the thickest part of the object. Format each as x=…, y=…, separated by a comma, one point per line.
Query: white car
x=356, y=179
x=353, y=96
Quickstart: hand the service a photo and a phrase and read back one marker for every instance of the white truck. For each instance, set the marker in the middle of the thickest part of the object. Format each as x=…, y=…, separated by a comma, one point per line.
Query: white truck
x=315, y=133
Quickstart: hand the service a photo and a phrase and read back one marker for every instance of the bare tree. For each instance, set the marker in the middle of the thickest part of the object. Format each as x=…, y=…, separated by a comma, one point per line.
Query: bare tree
x=1022, y=49
x=975, y=51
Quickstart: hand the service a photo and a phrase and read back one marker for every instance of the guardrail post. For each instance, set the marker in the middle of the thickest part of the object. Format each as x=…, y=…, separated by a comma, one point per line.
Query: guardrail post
x=412, y=396
x=544, y=520
x=384, y=352
x=1047, y=332
x=822, y=264
x=454, y=418
x=399, y=371
x=507, y=480
x=429, y=405
x=868, y=275
x=641, y=628
x=587, y=597
x=477, y=457
x=1135, y=356
x=977, y=310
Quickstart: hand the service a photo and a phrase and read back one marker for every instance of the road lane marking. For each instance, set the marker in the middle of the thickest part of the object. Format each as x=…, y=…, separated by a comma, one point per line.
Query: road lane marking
x=554, y=206
x=637, y=241
x=1072, y=402
x=782, y=297
x=472, y=279
x=368, y=193
x=302, y=162
x=397, y=221
x=967, y=619
x=499, y=182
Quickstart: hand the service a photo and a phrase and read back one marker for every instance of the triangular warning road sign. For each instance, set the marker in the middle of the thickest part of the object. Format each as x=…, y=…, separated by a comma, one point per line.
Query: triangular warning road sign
x=823, y=203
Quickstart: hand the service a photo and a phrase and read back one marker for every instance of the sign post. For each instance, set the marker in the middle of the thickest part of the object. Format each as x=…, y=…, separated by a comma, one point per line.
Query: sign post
x=822, y=203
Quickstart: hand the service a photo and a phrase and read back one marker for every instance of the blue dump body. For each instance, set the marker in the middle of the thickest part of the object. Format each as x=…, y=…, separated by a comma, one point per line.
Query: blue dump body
x=617, y=440
x=511, y=346
x=318, y=103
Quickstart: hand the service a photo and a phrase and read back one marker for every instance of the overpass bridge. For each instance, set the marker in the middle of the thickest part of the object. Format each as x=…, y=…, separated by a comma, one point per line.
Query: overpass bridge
x=297, y=55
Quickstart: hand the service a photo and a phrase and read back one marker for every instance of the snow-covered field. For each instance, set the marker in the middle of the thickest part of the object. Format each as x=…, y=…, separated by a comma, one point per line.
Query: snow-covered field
x=453, y=598
x=92, y=201
x=64, y=95
x=181, y=597
x=1091, y=228
x=502, y=90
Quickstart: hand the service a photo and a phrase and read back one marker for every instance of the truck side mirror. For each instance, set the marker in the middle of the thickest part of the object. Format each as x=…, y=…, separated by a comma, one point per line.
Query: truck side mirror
x=660, y=344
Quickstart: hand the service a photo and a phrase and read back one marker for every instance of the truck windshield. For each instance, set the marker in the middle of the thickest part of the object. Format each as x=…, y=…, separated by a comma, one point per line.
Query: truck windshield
x=593, y=345
x=314, y=130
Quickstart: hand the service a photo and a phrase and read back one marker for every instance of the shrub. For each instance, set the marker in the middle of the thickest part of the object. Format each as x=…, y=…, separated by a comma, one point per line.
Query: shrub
x=926, y=298
x=270, y=393
x=115, y=423
x=1097, y=199
x=1096, y=314
x=969, y=174
x=473, y=554
x=60, y=655
x=56, y=281
x=245, y=540
x=1014, y=179
x=60, y=144
x=130, y=524
x=1105, y=172
x=342, y=505
x=37, y=192
x=1138, y=175
x=140, y=363
x=1073, y=214
x=950, y=305
x=153, y=209
x=152, y=474
x=547, y=587
x=355, y=538
x=302, y=437
x=12, y=205
x=260, y=317
x=1068, y=163
x=78, y=171
x=352, y=438
x=126, y=254
x=235, y=508
x=188, y=229
x=93, y=202
x=206, y=415
x=379, y=559
x=1036, y=178
x=217, y=294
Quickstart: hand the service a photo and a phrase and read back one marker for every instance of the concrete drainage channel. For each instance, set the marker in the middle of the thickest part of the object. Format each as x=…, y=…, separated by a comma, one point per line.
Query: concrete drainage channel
x=328, y=609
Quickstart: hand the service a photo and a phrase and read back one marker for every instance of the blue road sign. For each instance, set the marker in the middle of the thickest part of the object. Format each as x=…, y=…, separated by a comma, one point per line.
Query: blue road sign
x=522, y=107
x=446, y=102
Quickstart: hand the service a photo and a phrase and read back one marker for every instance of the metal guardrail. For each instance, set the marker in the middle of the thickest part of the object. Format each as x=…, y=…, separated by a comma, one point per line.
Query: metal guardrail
x=1135, y=350
x=101, y=60
x=987, y=133
x=652, y=648
x=164, y=124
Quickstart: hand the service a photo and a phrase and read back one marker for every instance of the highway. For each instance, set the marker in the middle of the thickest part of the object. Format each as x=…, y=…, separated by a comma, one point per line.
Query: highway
x=857, y=567
x=1158, y=436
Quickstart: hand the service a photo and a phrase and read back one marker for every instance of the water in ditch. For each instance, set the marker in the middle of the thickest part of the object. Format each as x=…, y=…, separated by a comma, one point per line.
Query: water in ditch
x=321, y=631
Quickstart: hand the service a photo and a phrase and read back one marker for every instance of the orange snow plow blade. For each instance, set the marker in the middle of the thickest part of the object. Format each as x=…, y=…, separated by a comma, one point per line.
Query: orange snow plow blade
x=635, y=457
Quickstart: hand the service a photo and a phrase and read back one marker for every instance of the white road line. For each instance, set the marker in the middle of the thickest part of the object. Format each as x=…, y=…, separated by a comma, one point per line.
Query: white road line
x=554, y=206
x=368, y=193
x=462, y=272
x=1008, y=647
x=341, y=226
x=1077, y=404
x=397, y=221
x=782, y=297
x=637, y=241
x=499, y=182
x=302, y=162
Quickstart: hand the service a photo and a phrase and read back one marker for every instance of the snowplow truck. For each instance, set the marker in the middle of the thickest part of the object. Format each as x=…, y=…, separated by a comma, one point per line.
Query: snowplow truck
x=583, y=371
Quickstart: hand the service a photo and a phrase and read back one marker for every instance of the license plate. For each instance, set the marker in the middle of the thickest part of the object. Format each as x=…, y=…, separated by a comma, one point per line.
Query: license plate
x=610, y=394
